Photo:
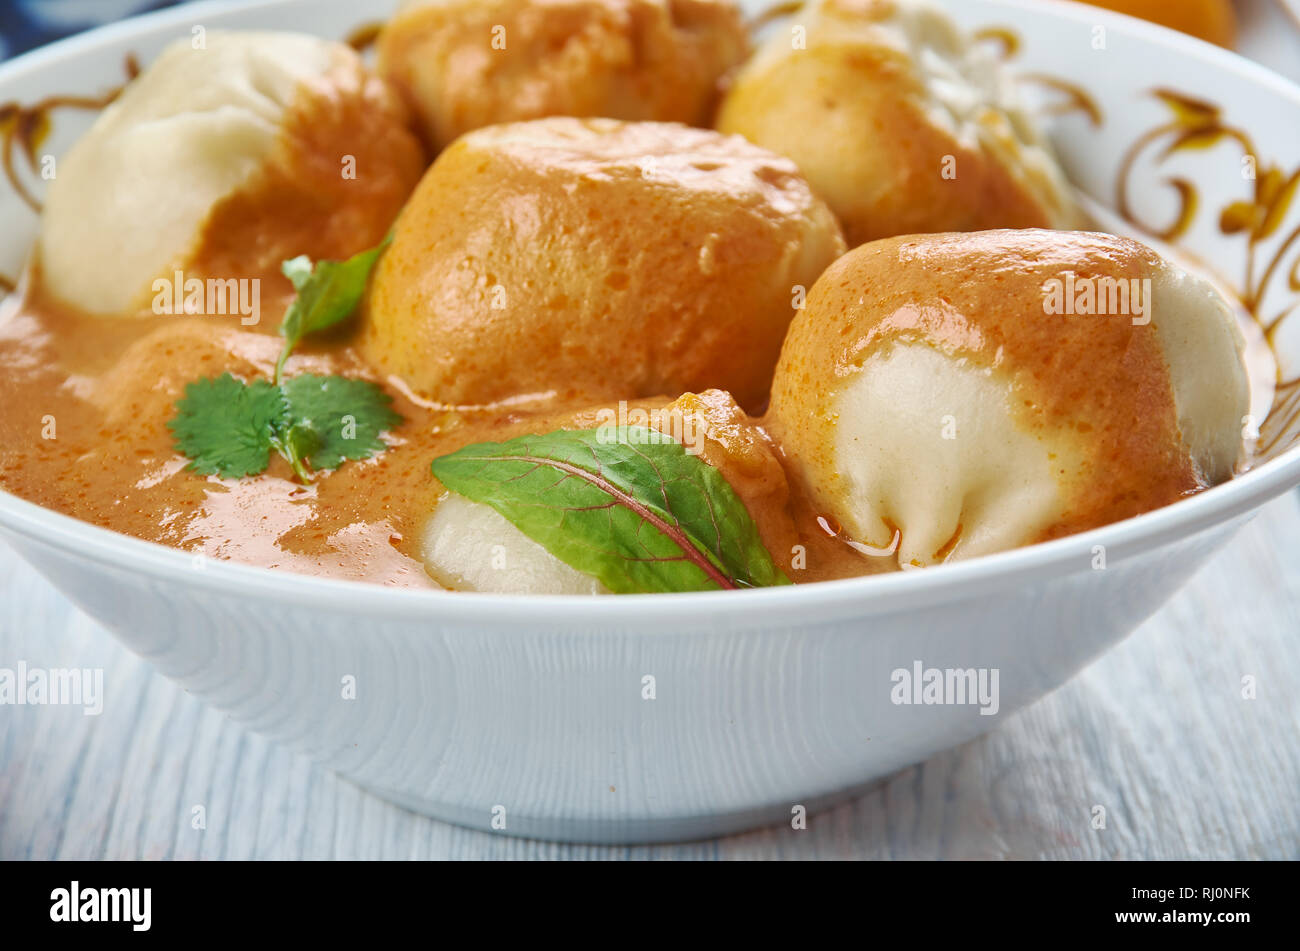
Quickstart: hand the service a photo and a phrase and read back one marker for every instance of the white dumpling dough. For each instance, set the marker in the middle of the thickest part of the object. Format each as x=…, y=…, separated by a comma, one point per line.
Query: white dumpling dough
x=130, y=197
x=984, y=473
x=928, y=391
x=469, y=546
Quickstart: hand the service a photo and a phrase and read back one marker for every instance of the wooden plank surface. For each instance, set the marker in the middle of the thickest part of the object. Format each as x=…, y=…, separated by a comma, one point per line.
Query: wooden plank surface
x=1157, y=733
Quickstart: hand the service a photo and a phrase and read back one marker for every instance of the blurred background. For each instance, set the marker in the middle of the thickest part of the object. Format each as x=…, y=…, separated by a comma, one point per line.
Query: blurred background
x=1264, y=30
x=25, y=24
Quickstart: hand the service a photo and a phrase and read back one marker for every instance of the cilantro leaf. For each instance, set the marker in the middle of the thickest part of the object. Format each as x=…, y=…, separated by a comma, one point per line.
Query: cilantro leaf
x=343, y=416
x=225, y=425
x=228, y=428
x=630, y=507
x=328, y=292
x=295, y=441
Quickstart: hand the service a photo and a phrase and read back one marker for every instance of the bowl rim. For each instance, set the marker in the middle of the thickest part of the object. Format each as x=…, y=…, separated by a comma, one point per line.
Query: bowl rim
x=677, y=613
x=862, y=596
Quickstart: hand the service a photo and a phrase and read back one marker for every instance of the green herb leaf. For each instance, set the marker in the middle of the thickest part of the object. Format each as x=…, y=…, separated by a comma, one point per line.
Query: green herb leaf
x=339, y=418
x=225, y=426
x=629, y=506
x=328, y=293
x=295, y=440
x=228, y=428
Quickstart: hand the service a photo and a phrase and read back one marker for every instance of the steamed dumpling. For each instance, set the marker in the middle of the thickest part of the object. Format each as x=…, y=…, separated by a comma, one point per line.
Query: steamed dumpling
x=469, y=546
x=596, y=259
x=898, y=122
x=465, y=64
x=1211, y=20
x=964, y=390
x=222, y=162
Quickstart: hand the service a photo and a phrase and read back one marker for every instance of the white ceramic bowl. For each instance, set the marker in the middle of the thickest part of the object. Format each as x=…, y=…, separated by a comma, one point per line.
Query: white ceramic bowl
x=532, y=710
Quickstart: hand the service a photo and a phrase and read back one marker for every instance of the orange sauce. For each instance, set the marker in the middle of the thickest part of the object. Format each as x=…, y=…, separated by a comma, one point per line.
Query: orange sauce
x=84, y=432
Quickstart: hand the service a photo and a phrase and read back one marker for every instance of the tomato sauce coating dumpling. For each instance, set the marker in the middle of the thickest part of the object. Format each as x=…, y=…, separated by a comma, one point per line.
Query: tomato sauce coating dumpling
x=220, y=162
x=465, y=64
x=1211, y=20
x=592, y=258
x=899, y=122
x=975, y=392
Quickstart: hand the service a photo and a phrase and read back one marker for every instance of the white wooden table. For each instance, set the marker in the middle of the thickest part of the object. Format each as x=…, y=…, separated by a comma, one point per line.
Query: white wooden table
x=1156, y=732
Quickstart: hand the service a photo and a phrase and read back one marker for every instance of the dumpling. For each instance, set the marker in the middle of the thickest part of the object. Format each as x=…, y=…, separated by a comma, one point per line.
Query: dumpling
x=469, y=546
x=1211, y=20
x=898, y=122
x=976, y=392
x=465, y=64
x=222, y=161
x=591, y=258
